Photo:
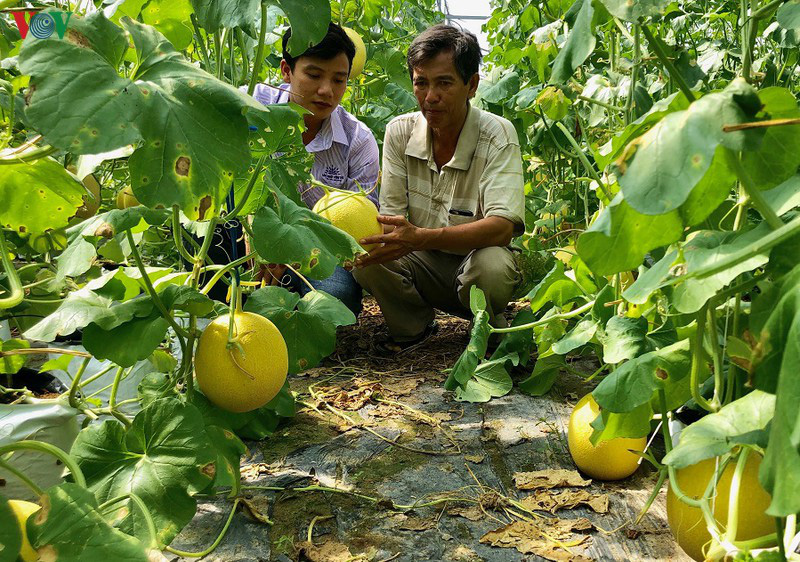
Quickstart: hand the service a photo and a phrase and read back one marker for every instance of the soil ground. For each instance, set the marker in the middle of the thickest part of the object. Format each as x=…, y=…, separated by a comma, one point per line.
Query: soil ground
x=385, y=433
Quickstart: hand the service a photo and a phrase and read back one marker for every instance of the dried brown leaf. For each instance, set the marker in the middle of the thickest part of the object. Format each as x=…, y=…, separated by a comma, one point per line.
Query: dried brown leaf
x=539, y=535
x=402, y=387
x=550, y=478
x=255, y=509
x=330, y=551
x=417, y=524
x=477, y=459
x=546, y=500
x=473, y=512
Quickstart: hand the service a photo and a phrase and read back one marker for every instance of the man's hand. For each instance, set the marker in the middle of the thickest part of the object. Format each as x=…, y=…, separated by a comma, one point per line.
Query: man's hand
x=401, y=238
x=273, y=273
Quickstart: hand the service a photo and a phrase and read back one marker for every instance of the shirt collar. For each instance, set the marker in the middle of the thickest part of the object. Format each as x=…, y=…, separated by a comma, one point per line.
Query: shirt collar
x=420, y=144
x=331, y=131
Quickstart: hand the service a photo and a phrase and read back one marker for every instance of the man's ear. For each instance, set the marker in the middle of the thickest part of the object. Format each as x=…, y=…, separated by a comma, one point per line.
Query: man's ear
x=473, y=84
x=286, y=72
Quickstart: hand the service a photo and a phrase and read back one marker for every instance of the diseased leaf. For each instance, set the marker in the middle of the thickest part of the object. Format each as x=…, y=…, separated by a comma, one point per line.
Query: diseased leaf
x=550, y=478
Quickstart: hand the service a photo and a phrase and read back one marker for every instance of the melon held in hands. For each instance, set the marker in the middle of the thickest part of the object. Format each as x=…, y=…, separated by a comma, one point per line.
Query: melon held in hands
x=352, y=212
x=243, y=373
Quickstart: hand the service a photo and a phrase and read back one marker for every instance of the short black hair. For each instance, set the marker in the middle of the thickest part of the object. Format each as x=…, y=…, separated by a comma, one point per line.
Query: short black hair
x=335, y=41
x=443, y=38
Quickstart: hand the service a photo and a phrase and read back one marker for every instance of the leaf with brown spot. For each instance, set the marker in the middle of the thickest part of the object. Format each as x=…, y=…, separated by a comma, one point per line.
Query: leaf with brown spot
x=549, y=478
x=182, y=165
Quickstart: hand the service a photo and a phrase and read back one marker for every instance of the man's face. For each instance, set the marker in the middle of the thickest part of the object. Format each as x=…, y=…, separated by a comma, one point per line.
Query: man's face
x=441, y=93
x=317, y=84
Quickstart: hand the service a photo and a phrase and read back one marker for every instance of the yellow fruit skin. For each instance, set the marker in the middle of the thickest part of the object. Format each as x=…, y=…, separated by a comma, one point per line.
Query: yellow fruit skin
x=22, y=510
x=687, y=523
x=610, y=460
x=265, y=358
x=126, y=198
x=361, y=52
x=351, y=212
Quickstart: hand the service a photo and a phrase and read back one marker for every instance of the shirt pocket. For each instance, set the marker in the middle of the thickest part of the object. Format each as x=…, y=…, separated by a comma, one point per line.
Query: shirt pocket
x=461, y=214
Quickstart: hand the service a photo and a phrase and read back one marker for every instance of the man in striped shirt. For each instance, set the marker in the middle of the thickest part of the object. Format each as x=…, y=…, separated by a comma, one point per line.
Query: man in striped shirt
x=344, y=149
x=452, y=197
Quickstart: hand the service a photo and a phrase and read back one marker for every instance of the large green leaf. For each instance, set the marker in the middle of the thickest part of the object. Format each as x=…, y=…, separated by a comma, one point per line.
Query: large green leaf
x=164, y=457
x=609, y=425
x=779, y=155
x=623, y=339
x=128, y=342
x=621, y=237
x=464, y=368
x=659, y=170
x=171, y=18
x=285, y=232
x=192, y=126
x=78, y=101
x=79, y=309
x=789, y=15
x=70, y=528
x=632, y=11
x=10, y=533
x=309, y=20
x=579, y=44
x=555, y=288
x=744, y=421
x=38, y=196
x=636, y=381
x=780, y=472
x=504, y=89
x=308, y=324
x=213, y=15
x=544, y=375
x=490, y=380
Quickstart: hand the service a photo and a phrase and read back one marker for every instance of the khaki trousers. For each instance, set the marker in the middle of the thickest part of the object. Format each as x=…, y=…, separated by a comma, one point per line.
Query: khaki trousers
x=410, y=288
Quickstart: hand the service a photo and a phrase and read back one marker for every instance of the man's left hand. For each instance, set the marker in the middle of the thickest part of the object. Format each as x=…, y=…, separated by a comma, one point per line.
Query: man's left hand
x=403, y=239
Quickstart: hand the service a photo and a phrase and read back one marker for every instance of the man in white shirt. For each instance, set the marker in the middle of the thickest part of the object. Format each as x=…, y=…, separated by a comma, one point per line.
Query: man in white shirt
x=345, y=151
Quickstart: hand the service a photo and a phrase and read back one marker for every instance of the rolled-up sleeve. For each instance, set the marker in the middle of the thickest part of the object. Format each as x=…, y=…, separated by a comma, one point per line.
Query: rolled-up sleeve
x=502, y=186
x=364, y=166
x=394, y=177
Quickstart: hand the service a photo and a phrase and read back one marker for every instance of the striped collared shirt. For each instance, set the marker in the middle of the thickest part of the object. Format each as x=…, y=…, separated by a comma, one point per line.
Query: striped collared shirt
x=345, y=152
x=483, y=179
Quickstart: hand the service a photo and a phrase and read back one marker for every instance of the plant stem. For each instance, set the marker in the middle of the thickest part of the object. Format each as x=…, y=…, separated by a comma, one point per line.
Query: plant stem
x=719, y=384
x=755, y=195
x=577, y=312
x=216, y=542
x=658, y=47
x=17, y=293
x=29, y=156
x=698, y=353
x=22, y=476
x=733, y=497
x=76, y=384
x=225, y=269
x=112, y=400
x=634, y=72
x=40, y=447
x=177, y=235
x=202, y=44
x=600, y=103
x=259, y=57
x=180, y=332
x=42, y=350
x=585, y=161
x=248, y=190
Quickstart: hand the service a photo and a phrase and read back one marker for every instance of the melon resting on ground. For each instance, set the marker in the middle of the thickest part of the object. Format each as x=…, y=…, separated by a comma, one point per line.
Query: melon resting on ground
x=609, y=460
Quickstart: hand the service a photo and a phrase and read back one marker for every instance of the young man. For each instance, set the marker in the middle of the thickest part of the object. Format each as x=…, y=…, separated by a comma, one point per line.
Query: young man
x=345, y=152
x=452, y=197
